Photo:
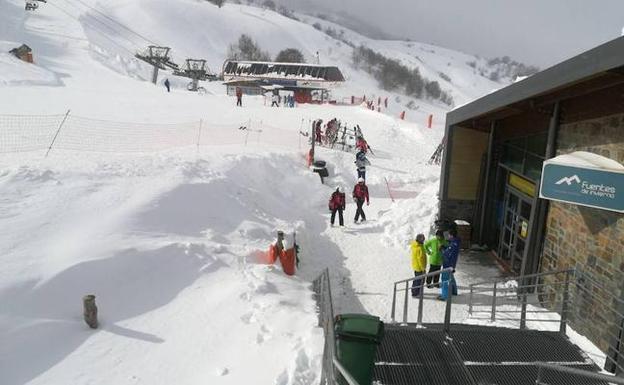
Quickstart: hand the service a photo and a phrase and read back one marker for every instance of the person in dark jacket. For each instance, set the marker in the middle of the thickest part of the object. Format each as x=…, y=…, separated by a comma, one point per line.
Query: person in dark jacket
x=360, y=194
x=318, y=131
x=450, y=255
x=239, y=97
x=361, y=162
x=168, y=85
x=337, y=203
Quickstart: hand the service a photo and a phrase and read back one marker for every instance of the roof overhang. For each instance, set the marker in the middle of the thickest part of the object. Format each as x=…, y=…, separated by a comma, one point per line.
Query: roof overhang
x=595, y=69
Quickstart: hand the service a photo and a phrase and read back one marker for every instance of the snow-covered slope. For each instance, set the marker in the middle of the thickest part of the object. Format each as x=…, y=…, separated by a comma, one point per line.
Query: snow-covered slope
x=168, y=241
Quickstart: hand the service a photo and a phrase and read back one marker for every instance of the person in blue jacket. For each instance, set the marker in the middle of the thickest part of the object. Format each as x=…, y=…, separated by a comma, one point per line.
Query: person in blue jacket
x=450, y=254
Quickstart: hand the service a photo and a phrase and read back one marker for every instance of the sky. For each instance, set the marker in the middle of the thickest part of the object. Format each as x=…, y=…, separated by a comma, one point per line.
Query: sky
x=538, y=32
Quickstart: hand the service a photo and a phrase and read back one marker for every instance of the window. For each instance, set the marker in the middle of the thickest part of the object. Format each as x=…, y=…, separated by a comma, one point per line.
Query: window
x=525, y=155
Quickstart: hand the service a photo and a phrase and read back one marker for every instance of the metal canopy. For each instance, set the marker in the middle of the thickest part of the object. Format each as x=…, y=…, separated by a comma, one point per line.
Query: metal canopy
x=607, y=58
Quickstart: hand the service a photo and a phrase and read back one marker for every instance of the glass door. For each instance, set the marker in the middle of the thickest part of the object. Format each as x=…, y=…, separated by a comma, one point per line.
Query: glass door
x=515, y=231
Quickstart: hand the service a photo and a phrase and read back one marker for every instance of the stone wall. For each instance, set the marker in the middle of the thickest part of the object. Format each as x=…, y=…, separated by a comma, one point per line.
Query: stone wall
x=589, y=239
x=453, y=209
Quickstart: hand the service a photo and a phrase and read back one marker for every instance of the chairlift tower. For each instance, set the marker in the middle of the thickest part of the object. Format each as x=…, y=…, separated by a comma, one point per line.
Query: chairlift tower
x=159, y=58
x=196, y=70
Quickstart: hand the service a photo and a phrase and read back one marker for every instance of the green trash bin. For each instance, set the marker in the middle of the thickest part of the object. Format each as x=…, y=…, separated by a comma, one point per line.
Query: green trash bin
x=357, y=337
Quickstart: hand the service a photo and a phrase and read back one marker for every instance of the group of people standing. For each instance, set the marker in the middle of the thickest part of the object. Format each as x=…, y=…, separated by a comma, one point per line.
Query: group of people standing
x=338, y=202
x=440, y=253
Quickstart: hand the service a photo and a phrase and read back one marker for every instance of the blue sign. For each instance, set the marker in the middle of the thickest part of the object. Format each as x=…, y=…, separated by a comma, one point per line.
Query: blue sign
x=592, y=187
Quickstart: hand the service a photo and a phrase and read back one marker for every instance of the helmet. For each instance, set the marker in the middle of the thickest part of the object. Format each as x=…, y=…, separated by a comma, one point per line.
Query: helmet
x=360, y=180
x=339, y=189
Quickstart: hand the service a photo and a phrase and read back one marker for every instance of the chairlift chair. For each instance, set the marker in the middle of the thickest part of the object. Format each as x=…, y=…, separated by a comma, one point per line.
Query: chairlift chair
x=31, y=5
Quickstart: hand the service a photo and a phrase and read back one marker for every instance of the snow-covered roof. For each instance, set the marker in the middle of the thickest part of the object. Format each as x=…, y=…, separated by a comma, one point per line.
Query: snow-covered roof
x=587, y=159
x=281, y=71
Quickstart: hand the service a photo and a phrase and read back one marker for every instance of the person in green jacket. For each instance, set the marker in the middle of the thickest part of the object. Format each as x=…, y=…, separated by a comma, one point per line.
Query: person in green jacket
x=419, y=263
x=433, y=248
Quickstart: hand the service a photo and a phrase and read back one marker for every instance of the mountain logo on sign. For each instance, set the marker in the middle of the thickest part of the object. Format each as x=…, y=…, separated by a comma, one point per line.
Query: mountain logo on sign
x=568, y=180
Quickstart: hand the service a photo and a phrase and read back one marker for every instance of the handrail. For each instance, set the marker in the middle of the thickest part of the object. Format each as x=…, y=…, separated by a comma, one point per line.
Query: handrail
x=422, y=278
x=520, y=277
x=326, y=320
x=437, y=272
x=345, y=373
x=542, y=367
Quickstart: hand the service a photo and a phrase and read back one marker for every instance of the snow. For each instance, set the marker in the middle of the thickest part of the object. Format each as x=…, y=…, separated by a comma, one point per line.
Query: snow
x=166, y=234
x=586, y=159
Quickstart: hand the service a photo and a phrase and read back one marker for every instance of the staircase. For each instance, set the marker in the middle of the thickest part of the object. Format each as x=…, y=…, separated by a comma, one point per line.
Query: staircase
x=444, y=353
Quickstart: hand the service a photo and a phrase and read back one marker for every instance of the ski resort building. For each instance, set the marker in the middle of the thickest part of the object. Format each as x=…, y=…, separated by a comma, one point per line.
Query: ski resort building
x=536, y=168
x=308, y=82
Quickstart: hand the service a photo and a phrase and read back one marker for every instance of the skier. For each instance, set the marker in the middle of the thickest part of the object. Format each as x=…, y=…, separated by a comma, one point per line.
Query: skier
x=318, y=131
x=275, y=100
x=361, y=162
x=419, y=263
x=168, y=85
x=450, y=254
x=361, y=144
x=239, y=97
x=360, y=194
x=433, y=247
x=337, y=203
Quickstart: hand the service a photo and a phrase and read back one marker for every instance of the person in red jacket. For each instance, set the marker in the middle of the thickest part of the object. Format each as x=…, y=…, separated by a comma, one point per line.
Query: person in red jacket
x=239, y=97
x=360, y=194
x=337, y=203
x=318, y=131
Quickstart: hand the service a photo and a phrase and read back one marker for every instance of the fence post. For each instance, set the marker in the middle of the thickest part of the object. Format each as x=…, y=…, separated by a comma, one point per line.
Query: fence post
x=420, y=301
x=493, y=316
x=199, y=133
x=393, y=302
x=564, y=305
x=405, y=302
x=470, y=300
x=57, y=132
x=523, y=309
x=449, y=300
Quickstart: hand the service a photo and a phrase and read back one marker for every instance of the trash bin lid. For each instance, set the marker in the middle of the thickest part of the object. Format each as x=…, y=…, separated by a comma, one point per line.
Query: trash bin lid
x=359, y=325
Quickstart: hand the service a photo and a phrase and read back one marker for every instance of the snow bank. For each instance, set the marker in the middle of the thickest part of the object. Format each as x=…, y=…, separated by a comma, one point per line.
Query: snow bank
x=411, y=217
x=166, y=243
x=15, y=72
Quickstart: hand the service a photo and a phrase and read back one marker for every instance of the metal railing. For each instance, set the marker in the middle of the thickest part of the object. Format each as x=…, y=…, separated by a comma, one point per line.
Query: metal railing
x=322, y=288
x=523, y=296
x=574, y=374
x=407, y=288
x=331, y=366
x=567, y=297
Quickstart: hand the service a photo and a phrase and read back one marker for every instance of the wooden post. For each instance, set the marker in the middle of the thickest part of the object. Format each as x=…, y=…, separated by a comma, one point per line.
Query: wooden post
x=90, y=311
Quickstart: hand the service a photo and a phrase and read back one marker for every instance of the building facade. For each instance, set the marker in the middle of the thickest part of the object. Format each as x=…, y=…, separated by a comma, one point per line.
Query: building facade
x=495, y=150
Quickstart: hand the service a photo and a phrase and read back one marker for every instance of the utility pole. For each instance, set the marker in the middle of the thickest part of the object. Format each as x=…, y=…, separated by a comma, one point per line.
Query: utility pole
x=158, y=57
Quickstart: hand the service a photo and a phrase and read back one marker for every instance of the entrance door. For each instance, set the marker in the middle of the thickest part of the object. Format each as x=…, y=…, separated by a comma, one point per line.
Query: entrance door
x=516, y=225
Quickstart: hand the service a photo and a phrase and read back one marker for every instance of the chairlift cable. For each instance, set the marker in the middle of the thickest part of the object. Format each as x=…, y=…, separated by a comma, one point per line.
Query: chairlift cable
x=86, y=17
x=104, y=35
x=148, y=40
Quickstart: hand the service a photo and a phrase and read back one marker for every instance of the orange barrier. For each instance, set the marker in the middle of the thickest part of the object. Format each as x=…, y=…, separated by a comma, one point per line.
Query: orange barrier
x=288, y=259
x=271, y=255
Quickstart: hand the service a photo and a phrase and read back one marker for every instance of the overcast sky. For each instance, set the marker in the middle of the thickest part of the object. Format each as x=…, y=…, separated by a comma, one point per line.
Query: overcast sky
x=539, y=32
